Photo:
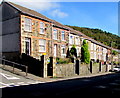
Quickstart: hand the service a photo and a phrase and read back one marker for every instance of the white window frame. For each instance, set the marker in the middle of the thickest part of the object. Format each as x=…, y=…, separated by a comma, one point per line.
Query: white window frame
x=55, y=34
x=28, y=24
x=63, y=34
x=71, y=39
x=92, y=46
x=42, y=28
x=77, y=41
x=42, y=45
x=78, y=51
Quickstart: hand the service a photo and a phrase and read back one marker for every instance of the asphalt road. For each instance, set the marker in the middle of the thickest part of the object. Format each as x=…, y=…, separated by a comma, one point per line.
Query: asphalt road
x=104, y=85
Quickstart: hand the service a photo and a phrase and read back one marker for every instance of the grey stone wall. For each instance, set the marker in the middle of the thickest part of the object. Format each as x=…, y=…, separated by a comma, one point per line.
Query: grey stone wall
x=63, y=70
x=84, y=69
x=95, y=68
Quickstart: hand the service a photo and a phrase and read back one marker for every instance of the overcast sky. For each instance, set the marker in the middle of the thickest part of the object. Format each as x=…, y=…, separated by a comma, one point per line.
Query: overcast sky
x=100, y=14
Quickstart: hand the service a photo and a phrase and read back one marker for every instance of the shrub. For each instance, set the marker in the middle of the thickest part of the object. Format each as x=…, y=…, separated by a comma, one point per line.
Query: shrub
x=63, y=60
x=85, y=54
x=73, y=51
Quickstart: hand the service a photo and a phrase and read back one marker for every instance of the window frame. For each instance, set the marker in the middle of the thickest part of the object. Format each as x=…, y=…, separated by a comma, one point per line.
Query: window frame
x=71, y=39
x=42, y=45
x=62, y=38
x=28, y=24
x=77, y=41
x=42, y=28
x=55, y=34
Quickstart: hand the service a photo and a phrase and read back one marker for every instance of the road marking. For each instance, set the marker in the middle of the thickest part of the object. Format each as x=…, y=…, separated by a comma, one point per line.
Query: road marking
x=20, y=82
x=4, y=84
x=9, y=77
x=12, y=84
x=31, y=82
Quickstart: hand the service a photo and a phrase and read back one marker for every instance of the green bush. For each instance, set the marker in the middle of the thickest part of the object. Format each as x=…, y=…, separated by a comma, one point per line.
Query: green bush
x=63, y=60
x=114, y=52
x=85, y=54
x=73, y=51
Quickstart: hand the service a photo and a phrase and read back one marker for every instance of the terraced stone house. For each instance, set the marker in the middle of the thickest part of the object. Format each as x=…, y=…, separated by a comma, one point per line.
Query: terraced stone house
x=27, y=31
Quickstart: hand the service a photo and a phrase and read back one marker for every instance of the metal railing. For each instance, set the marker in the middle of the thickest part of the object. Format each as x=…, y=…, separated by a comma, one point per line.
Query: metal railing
x=4, y=61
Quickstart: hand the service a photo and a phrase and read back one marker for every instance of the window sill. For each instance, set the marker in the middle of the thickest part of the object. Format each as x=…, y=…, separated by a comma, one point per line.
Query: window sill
x=63, y=40
x=42, y=51
x=42, y=33
x=55, y=39
x=27, y=31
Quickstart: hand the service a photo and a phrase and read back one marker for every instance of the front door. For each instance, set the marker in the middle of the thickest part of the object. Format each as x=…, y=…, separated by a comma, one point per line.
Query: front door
x=27, y=46
x=55, y=51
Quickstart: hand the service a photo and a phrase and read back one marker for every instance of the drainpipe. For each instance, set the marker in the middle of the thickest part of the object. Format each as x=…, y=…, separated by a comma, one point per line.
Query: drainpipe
x=52, y=47
x=111, y=57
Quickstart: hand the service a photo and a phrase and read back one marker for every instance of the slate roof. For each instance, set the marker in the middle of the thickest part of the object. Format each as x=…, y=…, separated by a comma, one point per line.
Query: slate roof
x=36, y=14
x=25, y=10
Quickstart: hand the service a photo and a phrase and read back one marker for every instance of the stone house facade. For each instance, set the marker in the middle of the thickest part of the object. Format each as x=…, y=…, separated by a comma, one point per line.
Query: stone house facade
x=34, y=34
x=75, y=40
x=60, y=39
x=27, y=31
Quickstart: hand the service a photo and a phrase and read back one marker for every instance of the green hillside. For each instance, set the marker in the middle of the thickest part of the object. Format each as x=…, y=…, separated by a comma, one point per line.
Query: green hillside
x=100, y=35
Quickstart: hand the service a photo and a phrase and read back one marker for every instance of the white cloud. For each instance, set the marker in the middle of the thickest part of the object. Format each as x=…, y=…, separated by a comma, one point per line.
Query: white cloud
x=40, y=5
x=58, y=13
x=43, y=5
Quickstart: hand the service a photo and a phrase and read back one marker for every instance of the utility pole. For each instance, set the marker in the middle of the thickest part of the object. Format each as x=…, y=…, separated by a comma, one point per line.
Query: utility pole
x=111, y=56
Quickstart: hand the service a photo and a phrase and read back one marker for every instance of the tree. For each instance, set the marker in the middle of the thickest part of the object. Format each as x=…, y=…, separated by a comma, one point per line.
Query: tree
x=114, y=52
x=100, y=35
x=73, y=51
x=85, y=54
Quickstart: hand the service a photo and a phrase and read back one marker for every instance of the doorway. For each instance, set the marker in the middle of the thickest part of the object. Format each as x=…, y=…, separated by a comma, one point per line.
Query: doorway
x=27, y=46
x=55, y=50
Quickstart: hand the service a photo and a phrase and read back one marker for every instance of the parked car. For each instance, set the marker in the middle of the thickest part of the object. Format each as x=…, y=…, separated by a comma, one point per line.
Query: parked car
x=116, y=69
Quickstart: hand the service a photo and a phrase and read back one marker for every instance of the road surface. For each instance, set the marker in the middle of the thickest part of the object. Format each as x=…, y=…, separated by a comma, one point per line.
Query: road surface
x=104, y=85
x=8, y=79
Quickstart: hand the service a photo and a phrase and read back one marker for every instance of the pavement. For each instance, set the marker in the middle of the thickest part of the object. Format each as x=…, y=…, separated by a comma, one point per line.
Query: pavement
x=8, y=79
x=19, y=77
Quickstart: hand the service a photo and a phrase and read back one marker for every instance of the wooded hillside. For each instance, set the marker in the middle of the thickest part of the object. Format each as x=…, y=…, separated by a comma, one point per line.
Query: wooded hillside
x=104, y=37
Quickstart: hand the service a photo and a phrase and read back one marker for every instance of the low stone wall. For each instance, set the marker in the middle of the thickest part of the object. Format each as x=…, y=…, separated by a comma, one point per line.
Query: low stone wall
x=95, y=68
x=63, y=70
x=84, y=69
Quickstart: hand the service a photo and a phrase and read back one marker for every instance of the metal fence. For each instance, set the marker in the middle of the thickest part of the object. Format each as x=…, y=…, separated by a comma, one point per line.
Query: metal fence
x=14, y=65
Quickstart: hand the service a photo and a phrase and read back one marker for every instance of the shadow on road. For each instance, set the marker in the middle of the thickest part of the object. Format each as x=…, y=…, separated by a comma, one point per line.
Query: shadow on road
x=71, y=87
